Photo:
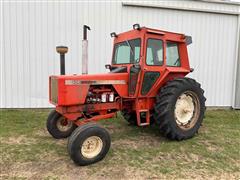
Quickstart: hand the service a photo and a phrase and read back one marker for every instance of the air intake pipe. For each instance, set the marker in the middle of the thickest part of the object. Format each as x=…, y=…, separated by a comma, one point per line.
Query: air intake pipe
x=85, y=50
x=62, y=50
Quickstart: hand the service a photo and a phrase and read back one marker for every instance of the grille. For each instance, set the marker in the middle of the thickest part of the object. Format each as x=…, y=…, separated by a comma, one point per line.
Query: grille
x=54, y=90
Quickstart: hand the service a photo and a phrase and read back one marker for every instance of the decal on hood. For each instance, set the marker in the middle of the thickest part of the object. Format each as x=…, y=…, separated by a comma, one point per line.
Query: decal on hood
x=94, y=82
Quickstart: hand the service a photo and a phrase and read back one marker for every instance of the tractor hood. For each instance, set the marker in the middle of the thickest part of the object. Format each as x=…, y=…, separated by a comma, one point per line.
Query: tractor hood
x=72, y=90
x=95, y=79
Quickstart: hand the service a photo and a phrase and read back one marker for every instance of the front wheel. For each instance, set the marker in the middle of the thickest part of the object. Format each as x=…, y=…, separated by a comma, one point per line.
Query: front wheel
x=88, y=144
x=58, y=126
x=180, y=108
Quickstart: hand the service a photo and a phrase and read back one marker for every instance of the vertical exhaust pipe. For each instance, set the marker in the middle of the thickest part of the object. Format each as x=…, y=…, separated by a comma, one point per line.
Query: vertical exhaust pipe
x=85, y=50
x=62, y=50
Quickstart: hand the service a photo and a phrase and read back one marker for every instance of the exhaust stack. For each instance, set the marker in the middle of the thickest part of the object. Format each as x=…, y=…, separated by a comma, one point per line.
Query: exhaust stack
x=85, y=50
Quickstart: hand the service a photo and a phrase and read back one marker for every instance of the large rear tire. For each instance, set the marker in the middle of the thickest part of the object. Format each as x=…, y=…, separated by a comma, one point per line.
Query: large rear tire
x=88, y=144
x=58, y=126
x=179, y=109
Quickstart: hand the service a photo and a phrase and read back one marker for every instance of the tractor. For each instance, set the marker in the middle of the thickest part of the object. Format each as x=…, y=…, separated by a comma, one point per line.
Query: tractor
x=146, y=82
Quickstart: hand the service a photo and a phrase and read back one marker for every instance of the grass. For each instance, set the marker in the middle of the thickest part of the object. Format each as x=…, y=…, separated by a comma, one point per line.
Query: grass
x=29, y=152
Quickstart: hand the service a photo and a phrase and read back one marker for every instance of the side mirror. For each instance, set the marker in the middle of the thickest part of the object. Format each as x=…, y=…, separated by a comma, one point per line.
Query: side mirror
x=108, y=66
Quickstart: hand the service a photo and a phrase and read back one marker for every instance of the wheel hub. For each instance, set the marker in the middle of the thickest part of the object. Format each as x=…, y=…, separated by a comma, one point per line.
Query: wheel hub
x=186, y=110
x=91, y=147
x=63, y=124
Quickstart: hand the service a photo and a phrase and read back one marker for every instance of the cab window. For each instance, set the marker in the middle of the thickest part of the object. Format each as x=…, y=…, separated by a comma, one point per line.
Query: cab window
x=172, y=54
x=154, y=52
x=127, y=52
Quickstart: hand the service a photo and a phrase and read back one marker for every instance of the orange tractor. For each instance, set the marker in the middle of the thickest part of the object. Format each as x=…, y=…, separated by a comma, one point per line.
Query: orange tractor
x=146, y=83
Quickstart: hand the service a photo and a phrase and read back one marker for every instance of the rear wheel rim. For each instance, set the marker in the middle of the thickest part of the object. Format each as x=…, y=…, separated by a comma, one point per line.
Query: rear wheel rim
x=91, y=147
x=187, y=110
x=63, y=124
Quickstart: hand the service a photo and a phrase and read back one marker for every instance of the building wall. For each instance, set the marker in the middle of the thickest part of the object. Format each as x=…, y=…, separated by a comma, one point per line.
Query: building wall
x=31, y=31
x=237, y=90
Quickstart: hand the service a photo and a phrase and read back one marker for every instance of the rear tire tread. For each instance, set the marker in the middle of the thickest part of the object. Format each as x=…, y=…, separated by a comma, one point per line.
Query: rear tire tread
x=163, y=108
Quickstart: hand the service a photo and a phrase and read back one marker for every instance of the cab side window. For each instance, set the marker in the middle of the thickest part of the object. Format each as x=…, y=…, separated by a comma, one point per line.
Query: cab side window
x=154, y=52
x=172, y=54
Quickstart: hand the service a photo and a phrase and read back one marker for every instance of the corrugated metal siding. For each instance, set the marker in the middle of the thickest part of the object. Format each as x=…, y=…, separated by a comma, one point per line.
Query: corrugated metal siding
x=31, y=32
x=1, y=57
x=237, y=90
x=191, y=5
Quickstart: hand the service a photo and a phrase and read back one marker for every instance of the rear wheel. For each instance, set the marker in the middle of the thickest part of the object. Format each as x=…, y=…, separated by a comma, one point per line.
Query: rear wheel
x=180, y=108
x=88, y=144
x=58, y=126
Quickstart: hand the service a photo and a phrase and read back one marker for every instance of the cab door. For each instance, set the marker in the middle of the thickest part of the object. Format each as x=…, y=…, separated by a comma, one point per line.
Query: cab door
x=154, y=64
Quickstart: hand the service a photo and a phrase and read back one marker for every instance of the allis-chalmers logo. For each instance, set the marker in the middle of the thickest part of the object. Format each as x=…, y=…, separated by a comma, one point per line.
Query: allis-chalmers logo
x=79, y=82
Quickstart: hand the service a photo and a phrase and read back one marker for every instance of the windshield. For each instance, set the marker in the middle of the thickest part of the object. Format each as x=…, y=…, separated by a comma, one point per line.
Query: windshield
x=127, y=52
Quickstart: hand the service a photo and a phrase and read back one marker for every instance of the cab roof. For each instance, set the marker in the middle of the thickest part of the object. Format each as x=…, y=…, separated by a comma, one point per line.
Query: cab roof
x=167, y=35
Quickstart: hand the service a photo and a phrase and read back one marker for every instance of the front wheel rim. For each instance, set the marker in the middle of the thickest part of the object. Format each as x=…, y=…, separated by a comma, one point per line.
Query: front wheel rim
x=187, y=110
x=63, y=124
x=91, y=147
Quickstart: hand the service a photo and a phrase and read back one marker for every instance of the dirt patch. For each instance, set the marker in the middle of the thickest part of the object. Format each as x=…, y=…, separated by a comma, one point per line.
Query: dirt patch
x=112, y=128
x=211, y=146
x=203, y=174
x=142, y=141
x=22, y=139
x=123, y=172
x=42, y=133
x=62, y=169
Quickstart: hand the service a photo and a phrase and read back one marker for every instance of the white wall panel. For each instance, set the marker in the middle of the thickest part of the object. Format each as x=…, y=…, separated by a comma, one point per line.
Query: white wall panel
x=31, y=31
x=1, y=55
x=212, y=53
x=237, y=70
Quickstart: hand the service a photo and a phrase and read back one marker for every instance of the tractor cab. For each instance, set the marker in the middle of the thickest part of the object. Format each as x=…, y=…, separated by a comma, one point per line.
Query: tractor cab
x=147, y=55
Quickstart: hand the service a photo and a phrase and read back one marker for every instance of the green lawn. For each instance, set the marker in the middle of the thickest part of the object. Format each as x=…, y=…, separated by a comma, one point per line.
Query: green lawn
x=28, y=151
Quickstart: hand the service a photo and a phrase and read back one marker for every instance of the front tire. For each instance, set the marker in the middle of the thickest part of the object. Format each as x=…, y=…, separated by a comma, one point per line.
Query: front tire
x=58, y=126
x=179, y=109
x=88, y=144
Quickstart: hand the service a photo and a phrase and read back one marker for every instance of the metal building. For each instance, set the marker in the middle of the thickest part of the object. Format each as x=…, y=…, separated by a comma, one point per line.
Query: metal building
x=30, y=31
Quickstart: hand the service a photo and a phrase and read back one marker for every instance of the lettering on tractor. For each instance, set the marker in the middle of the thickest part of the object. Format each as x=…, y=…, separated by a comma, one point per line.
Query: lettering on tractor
x=146, y=83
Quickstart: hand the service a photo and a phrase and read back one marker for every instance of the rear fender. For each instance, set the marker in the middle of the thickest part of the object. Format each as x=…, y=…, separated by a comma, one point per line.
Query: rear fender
x=167, y=76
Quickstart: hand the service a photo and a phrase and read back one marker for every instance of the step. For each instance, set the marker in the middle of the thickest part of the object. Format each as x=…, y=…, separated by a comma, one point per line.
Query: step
x=144, y=124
